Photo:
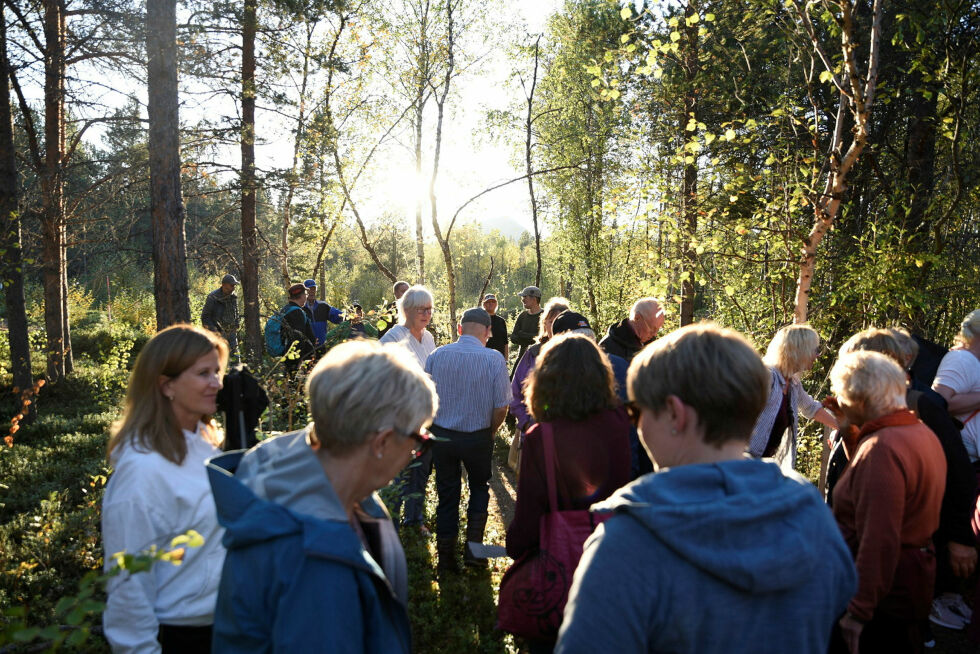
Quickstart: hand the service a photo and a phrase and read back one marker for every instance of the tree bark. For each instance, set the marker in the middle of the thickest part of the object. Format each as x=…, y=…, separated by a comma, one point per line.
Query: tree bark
x=250, y=257
x=52, y=190
x=11, y=255
x=856, y=98
x=444, y=245
x=170, y=285
x=689, y=178
x=528, y=142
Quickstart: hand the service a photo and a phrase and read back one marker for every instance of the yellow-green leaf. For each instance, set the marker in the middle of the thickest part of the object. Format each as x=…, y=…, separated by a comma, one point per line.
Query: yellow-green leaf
x=625, y=13
x=826, y=76
x=730, y=135
x=675, y=36
x=709, y=17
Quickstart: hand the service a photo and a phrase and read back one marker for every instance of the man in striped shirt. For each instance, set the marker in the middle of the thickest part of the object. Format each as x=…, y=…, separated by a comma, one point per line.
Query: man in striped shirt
x=474, y=392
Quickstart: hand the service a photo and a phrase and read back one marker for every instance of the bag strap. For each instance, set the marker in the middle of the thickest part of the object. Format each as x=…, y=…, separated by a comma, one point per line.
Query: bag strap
x=972, y=416
x=550, y=463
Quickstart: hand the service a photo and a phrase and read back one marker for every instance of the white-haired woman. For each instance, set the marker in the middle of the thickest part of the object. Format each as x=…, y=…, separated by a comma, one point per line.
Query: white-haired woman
x=159, y=490
x=887, y=505
x=314, y=563
x=414, y=315
x=791, y=352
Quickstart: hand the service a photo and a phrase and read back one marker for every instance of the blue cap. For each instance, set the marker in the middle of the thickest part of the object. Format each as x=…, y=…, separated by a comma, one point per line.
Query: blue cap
x=310, y=283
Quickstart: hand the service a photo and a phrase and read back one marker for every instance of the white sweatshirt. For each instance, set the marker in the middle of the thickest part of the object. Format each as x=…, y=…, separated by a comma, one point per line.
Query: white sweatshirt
x=148, y=501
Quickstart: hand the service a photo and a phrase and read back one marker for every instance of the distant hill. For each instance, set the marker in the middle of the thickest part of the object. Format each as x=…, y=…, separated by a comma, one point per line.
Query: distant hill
x=509, y=227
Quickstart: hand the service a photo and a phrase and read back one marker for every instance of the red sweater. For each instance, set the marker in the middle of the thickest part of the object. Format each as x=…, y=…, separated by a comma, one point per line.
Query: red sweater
x=593, y=462
x=888, y=498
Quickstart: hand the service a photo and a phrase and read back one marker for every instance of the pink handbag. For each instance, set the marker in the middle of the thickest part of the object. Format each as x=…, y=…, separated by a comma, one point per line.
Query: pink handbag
x=535, y=588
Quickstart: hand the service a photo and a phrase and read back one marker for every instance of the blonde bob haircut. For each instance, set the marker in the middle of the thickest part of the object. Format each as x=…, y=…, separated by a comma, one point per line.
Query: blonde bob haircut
x=148, y=420
x=871, y=379
x=711, y=369
x=875, y=340
x=969, y=328
x=415, y=297
x=360, y=388
x=790, y=349
x=552, y=309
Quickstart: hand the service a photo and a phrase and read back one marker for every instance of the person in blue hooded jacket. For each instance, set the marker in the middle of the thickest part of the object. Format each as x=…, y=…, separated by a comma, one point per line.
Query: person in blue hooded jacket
x=713, y=552
x=314, y=563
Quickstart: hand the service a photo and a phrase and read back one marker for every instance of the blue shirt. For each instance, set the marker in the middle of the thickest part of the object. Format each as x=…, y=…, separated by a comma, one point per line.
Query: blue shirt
x=471, y=381
x=321, y=312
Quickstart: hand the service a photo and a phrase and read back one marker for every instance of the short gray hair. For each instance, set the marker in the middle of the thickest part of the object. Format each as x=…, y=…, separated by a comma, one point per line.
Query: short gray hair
x=648, y=307
x=415, y=296
x=871, y=378
x=585, y=331
x=360, y=387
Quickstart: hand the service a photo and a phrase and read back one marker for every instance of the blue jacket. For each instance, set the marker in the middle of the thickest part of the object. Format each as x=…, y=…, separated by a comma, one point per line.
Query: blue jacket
x=320, y=313
x=296, y=577
x=728, y=557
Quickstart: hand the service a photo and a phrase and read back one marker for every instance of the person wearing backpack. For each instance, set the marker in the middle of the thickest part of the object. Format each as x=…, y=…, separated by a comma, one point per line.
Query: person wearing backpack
x=296, y=326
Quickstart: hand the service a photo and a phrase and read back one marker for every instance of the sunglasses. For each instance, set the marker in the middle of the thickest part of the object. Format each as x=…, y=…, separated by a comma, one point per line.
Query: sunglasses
x=633, y=411
x=422, y=438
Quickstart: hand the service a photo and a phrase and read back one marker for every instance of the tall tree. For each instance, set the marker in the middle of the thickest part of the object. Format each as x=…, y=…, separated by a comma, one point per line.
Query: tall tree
x=250, y=256
x=11, y=256
x=856, y=94
x=170, y=285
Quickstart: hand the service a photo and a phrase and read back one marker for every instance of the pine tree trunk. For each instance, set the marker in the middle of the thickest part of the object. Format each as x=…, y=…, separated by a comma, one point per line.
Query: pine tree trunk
x=170, y=284
x=250, y=257
x=11, y=256
x=52, y=193
x=689, y=182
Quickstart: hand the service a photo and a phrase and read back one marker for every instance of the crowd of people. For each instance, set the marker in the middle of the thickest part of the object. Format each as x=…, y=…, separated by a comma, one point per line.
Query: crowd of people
x=676, y=452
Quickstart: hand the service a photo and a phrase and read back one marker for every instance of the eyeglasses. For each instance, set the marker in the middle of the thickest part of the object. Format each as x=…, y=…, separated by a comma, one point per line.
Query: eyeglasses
x=424, y=309
x=422, y=437
x=633, y=412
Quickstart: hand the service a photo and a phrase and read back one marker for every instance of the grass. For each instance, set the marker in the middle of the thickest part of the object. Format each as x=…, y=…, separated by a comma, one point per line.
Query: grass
x=457, y=612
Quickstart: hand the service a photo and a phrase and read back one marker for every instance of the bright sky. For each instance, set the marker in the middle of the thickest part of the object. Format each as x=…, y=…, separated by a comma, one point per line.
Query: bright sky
x=471, y=161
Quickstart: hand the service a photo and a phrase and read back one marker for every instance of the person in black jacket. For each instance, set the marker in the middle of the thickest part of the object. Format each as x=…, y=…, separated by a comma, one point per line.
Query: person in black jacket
x=498, y=326
x=298, y=325
x=626, y=338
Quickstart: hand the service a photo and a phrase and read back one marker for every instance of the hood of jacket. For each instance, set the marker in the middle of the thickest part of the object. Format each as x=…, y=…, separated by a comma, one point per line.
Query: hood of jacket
x=278, y=488
x=622, y=333
x=743, y=521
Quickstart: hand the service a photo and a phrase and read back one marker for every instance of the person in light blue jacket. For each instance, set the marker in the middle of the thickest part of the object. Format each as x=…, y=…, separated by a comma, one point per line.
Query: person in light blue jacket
x=314, y=563
x=714, y=551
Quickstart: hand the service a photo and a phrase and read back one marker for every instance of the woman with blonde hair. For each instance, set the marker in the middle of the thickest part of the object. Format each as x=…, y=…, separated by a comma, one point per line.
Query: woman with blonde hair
x=792, y=351
x=159, y=489
x=958, y=381
x=314, y=562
